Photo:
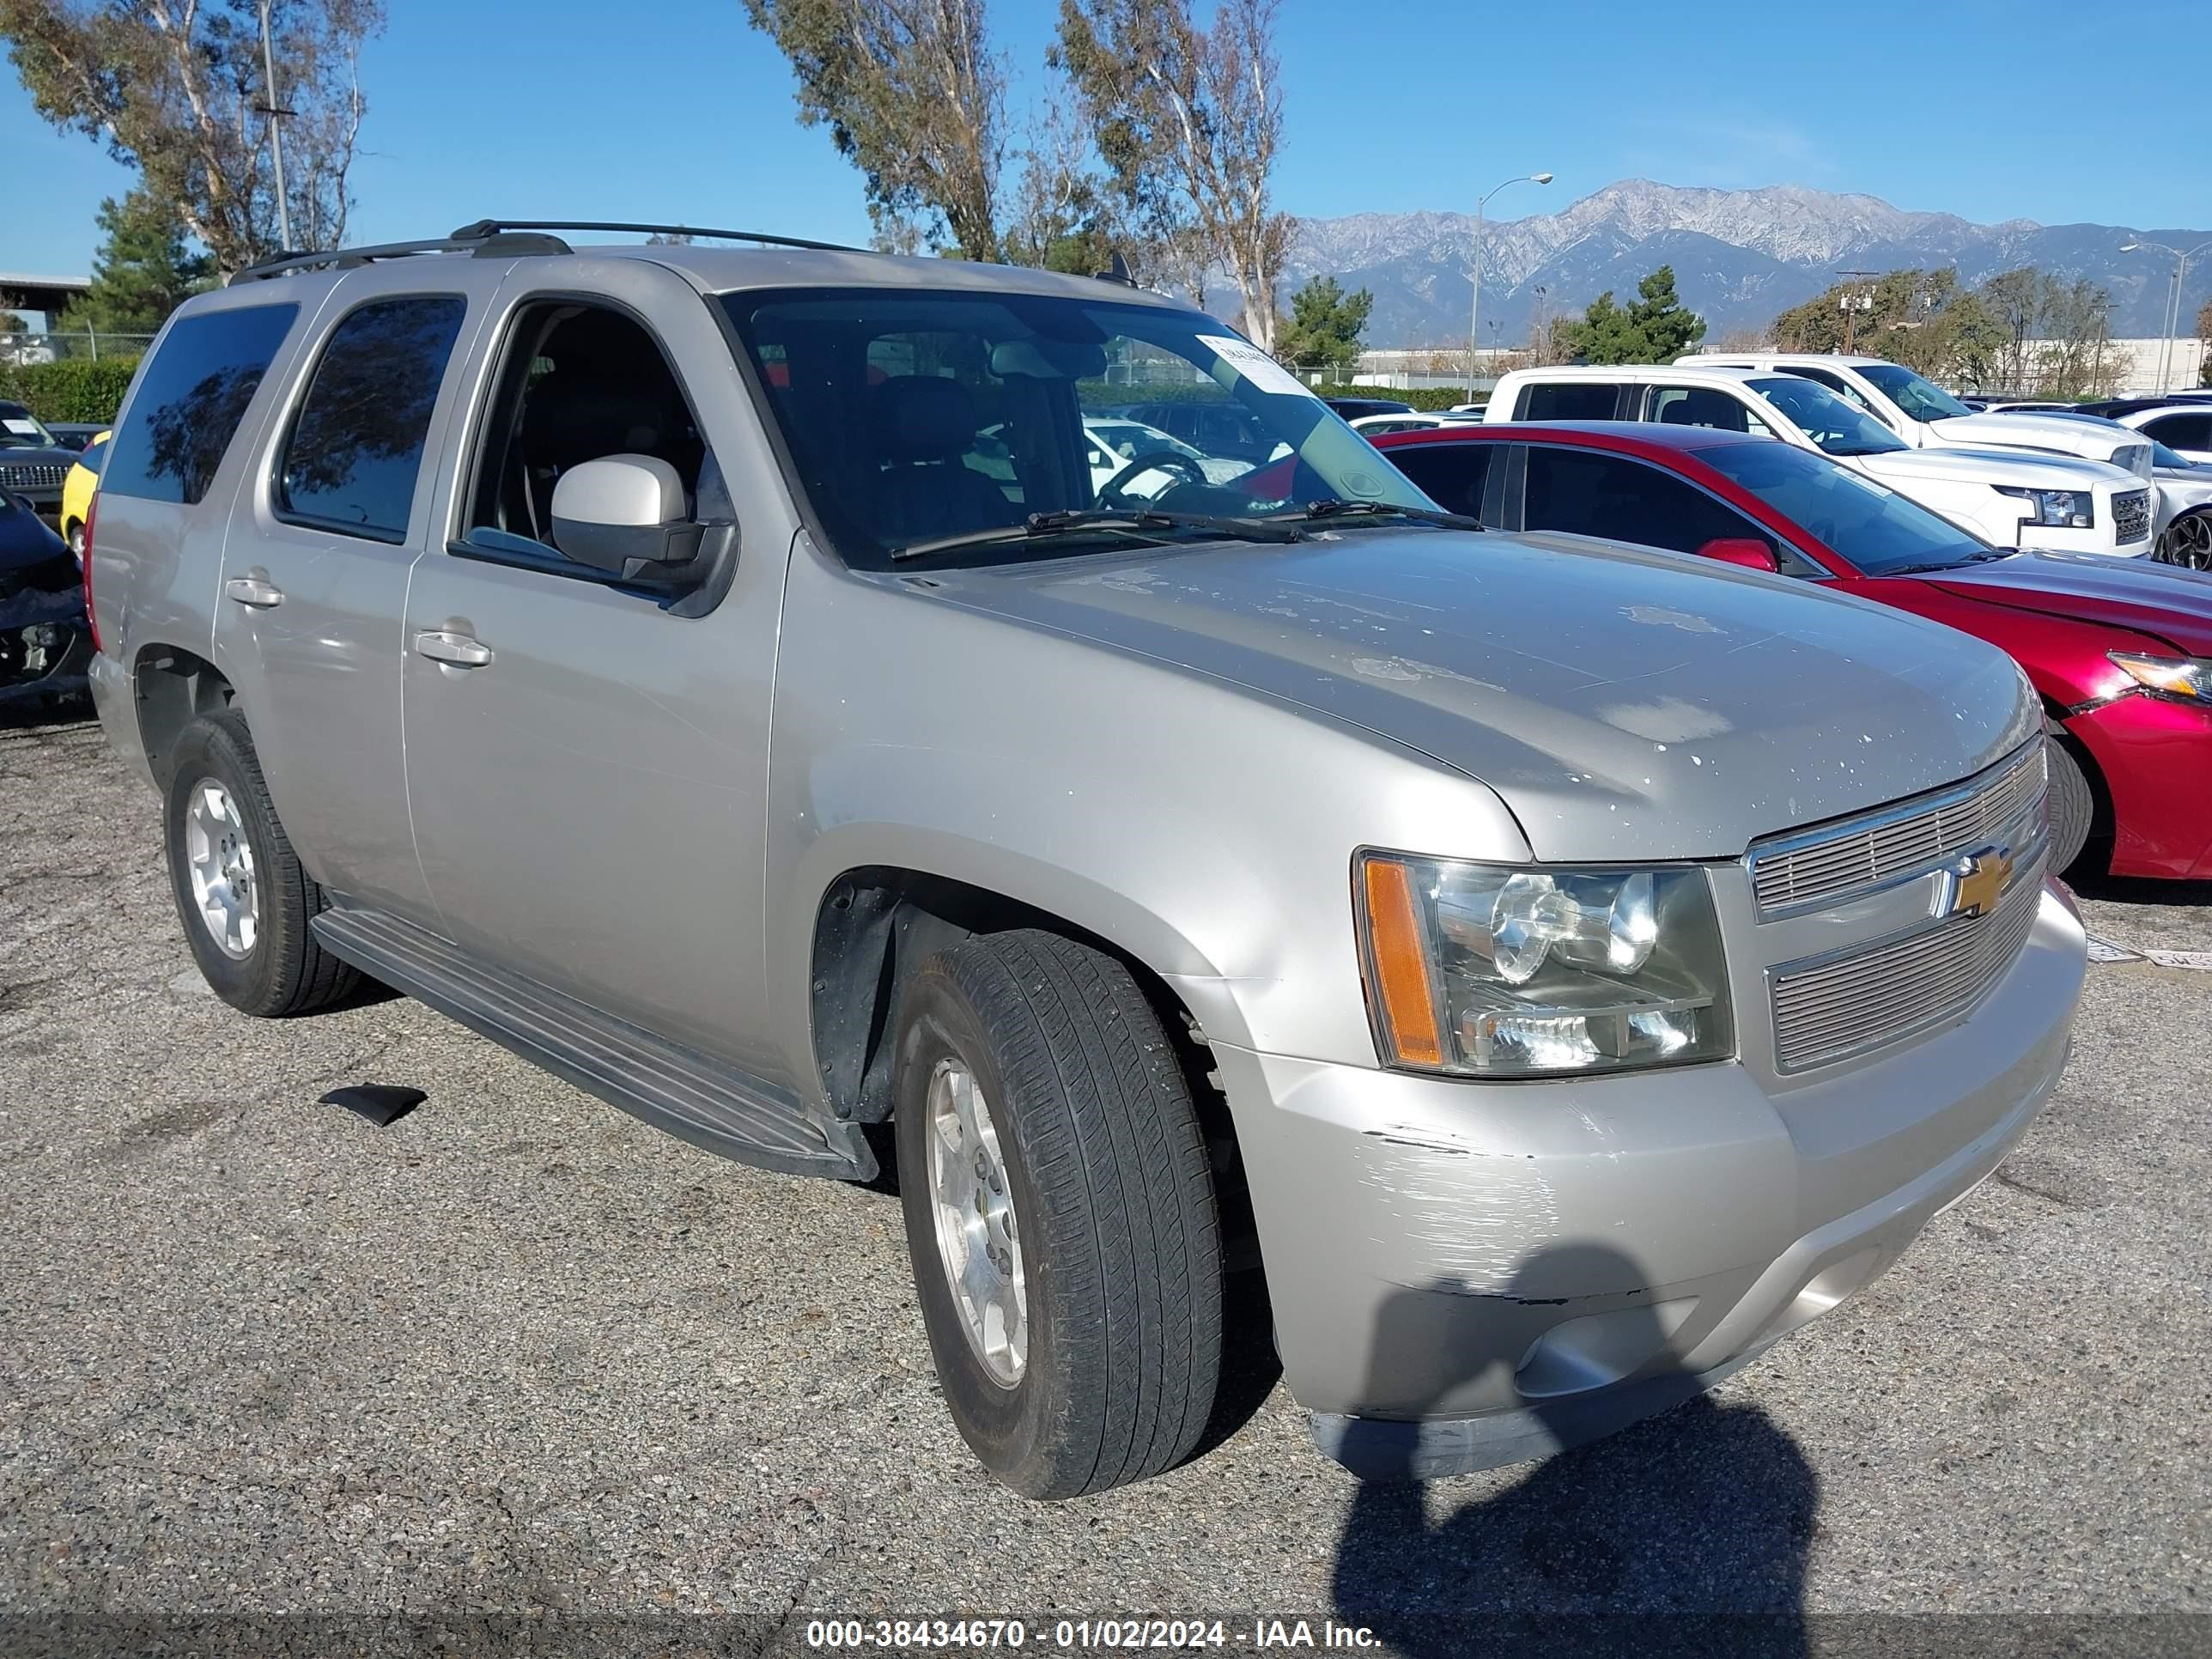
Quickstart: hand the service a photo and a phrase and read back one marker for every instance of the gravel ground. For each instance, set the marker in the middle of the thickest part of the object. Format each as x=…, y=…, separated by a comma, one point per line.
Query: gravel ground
x=519, y=1355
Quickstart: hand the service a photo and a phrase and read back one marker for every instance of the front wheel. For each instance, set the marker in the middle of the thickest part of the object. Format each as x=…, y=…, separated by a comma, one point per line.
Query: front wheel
x=1060, y=1213
x=2073, y=805
x=2188, y=540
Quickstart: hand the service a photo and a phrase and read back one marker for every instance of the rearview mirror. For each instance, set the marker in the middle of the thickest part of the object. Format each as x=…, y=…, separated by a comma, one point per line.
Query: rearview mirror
x=628, y=515
x=1747, y=550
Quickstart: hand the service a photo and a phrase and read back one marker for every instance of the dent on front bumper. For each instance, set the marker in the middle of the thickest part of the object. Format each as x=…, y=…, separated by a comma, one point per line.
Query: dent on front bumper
x=1464, y=1276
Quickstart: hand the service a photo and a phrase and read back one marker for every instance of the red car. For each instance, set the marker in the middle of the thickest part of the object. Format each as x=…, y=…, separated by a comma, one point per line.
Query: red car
x=2120, y=649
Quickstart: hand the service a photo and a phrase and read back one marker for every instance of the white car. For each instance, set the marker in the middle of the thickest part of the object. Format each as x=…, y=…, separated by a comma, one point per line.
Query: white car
x=1373, y=426
x=2183, y=425
x=2185, y=508
x=1925, y=417
x=1114, y=442
x=2009, y=497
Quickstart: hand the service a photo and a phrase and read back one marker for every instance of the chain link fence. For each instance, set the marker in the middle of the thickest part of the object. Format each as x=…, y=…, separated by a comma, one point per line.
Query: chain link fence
x=24, y=351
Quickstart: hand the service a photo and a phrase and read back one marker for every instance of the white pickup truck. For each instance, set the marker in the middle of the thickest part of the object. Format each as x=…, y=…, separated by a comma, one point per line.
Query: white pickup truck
x=2009, y=497
x=1925, y=417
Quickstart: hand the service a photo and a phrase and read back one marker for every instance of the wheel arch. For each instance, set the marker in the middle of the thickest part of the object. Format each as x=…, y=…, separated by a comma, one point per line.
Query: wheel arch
x=170, y=688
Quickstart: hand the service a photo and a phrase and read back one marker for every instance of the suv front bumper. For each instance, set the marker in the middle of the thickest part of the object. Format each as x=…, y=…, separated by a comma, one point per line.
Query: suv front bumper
x=1466, y=1275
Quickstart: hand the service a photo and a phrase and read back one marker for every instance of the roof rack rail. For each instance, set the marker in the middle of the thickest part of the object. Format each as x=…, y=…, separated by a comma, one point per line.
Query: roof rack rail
x=483, y=227
x=491, y=243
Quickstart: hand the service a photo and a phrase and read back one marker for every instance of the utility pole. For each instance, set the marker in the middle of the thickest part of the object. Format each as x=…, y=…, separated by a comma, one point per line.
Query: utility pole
x=1853, y=304
x=2170, y=324
x=276, y=112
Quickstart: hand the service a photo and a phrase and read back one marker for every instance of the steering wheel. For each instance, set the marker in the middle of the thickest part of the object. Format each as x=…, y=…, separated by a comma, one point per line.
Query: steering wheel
x=1157, y=460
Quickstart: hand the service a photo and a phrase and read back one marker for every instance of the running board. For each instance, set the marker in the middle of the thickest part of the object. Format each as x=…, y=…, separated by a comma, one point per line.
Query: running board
x=703, y=1101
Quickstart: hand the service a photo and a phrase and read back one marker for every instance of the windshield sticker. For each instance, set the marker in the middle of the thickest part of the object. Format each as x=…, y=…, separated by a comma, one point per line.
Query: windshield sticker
x=1259, y=370
x=25, y=428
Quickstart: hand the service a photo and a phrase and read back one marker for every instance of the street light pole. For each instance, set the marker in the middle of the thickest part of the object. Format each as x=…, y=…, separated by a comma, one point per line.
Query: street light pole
x=277, y=111
x=1474, y=317
x=2171, y=323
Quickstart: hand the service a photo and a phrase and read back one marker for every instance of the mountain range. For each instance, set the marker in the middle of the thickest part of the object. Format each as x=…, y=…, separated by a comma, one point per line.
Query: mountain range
x=1739, y=256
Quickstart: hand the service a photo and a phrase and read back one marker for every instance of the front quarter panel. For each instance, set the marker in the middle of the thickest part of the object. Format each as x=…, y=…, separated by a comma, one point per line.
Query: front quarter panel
x=1203, y=828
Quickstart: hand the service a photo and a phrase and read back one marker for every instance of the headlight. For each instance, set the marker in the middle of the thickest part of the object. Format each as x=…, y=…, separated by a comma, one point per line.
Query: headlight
x=2185, y=679
x=1488, y=971
x=2067, y=509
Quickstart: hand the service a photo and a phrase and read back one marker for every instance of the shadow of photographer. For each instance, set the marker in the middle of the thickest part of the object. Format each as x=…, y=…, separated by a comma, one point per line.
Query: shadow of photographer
x=1686, y=1536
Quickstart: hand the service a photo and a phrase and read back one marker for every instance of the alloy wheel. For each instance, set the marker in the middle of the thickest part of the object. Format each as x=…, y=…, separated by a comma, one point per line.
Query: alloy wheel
x=219, y=856
x=978, y=1241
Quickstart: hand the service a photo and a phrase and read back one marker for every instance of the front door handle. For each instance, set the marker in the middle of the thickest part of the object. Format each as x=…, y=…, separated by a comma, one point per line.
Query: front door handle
x=456, y=650
x=261, y=594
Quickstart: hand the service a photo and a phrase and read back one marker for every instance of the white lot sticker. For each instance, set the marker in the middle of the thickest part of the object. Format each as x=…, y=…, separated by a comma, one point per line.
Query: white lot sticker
x=1262, y=371
x=24, y=428
x=2103, y=950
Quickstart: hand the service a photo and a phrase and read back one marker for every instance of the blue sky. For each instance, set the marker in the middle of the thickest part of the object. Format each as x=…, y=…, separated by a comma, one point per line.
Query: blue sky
x=676, y=109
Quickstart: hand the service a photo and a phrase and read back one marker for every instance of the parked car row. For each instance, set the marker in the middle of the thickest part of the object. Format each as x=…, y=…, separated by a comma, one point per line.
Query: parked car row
x=1042, y=746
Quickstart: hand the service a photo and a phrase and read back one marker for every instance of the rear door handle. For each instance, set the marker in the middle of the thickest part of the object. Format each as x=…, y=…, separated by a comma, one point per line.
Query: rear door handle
x=456, y=650
x=253, y=591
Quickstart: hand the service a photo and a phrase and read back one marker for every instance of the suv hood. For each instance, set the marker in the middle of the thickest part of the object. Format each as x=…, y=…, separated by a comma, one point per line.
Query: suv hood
x=2091, y=440
x=1625, y=704
x=2009, y=468
x=2163, y=600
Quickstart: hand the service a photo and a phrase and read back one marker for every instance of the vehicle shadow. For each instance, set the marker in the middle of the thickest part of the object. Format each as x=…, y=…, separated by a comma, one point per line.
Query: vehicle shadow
x=1684, y=1534
x=2141, y=890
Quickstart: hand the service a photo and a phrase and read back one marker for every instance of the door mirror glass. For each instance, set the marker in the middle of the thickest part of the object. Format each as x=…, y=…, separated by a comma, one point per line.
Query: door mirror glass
x=628, y=515
x=1748, y=551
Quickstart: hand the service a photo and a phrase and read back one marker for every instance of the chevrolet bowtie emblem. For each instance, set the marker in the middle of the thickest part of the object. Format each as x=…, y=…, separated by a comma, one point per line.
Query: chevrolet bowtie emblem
x=1978, y=881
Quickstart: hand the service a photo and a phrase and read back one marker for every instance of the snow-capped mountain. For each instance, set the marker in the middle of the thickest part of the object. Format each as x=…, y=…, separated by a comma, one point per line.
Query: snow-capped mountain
x=1740, y=256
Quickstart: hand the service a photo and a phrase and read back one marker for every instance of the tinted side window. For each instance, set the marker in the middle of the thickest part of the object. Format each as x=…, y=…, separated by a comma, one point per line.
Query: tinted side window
x=1452, y=476
x=188, y=406
x=2181, y=431
x=1701, y=405
x=1568, y=400
x=356, y=447
x=1589, y=493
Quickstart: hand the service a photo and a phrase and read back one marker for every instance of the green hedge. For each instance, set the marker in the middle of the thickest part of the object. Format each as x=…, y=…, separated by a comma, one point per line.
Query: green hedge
x=1421, y=397
x=73, y=389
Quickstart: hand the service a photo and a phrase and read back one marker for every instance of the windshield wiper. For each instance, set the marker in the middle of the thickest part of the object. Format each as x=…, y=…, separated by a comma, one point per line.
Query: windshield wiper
x=1329, y=507
x=1040, y=525
x=1980, y=555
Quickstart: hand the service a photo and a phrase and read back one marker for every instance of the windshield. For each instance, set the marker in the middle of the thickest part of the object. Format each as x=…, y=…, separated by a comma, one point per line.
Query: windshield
x=1924, y=400
x=19, y=430
x=913, y=416
x=1826, y=419
x=1871, y=525
x=2161, y=456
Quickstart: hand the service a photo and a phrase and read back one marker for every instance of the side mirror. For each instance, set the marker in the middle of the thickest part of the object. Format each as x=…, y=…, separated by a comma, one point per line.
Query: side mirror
x=1747, y=550
x=628, y=515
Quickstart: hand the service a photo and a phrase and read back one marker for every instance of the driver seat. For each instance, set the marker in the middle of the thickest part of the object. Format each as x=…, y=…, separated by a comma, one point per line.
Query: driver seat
x=922, y=425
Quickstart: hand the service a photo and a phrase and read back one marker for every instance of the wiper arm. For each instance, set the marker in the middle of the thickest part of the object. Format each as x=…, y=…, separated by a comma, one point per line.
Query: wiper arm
x=1330, y=507
x=1040, y=525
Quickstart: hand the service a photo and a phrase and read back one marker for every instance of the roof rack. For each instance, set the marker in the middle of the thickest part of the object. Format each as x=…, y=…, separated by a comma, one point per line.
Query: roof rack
x=486, y=228
x=492, y=244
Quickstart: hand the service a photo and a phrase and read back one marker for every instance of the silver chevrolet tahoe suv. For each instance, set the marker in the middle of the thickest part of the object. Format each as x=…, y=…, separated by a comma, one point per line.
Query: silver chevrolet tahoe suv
x=1554, y=971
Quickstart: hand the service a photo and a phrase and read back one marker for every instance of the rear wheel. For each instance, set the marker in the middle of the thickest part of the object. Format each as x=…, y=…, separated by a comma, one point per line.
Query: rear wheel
x=2188, y=540
x=2073, y=805
x=1059, y=1213
x=244, y=898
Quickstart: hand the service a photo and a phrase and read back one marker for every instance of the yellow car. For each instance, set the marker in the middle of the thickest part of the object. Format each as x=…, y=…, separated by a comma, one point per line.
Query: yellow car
x=77, y=491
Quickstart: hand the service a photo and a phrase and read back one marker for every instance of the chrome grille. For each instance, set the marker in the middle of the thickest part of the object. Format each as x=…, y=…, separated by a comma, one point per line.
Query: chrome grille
x=32, y=475
x=1893, y=988
x=2131, y=515
x=1823, y=866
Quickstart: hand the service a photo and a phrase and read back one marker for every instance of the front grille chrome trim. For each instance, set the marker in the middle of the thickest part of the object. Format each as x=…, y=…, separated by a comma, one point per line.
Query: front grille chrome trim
x=1852, y=1001
x=1830, y=865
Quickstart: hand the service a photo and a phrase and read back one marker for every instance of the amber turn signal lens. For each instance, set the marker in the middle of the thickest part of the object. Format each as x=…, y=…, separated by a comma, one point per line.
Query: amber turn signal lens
x=1406, y=999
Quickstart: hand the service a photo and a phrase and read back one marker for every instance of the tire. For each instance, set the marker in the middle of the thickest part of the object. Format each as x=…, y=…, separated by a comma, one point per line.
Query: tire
x=2188, y=540
x=2072, y=806
x=1115, y=1234
x=278, y=968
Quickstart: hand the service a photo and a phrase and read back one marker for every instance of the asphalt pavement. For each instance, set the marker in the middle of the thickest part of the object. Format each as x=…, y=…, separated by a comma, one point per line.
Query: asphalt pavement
x=518, y=1355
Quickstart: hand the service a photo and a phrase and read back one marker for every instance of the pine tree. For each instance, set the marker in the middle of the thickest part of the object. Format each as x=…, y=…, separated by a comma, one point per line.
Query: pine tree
x=142, y=271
